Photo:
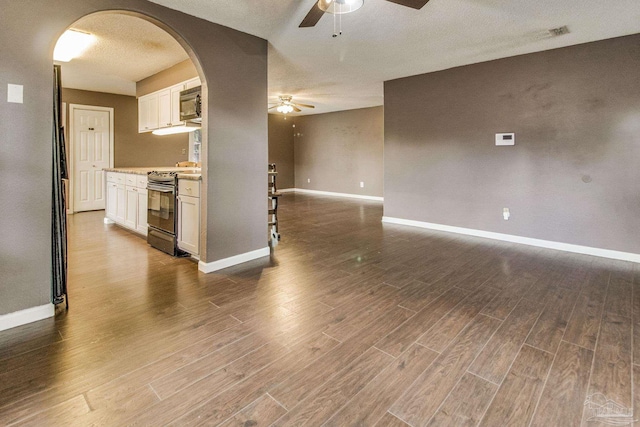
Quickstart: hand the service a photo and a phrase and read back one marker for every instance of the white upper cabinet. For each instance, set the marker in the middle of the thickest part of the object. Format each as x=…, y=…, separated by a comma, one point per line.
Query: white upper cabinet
x=164, y=108
x=195, y=82
x=175, y=104
x=148, y=112
x=161, y=109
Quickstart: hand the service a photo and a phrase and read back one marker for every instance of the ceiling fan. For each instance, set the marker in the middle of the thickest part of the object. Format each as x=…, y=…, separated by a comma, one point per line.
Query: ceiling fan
x=285, y=105
x=346, y=6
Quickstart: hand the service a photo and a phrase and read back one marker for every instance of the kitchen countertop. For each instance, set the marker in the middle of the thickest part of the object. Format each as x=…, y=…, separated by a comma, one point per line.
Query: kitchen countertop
x=188, y=173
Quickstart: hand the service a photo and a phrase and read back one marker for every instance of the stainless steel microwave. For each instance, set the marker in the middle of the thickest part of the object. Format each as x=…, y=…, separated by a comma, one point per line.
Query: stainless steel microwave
x=191, y=105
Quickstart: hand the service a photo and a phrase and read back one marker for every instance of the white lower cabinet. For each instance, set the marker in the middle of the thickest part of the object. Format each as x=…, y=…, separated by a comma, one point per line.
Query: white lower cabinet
x=131, y=215
x=121, y=204
x=189, y=216
x=141, y=222
x=111, y=205
x=126, y=205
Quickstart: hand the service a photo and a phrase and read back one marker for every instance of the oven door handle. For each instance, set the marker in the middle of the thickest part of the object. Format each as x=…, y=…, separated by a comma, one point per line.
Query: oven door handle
x=161, y=188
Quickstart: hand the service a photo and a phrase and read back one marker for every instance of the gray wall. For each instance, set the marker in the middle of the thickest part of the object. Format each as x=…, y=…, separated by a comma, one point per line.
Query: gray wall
x=234, y=67
x=573, y=174
x=180, y=72
x=338, y=150
x=281, y=149
x=131, y=148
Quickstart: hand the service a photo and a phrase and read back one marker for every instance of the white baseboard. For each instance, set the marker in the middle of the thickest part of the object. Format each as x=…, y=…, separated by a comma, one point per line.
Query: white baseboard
x=108, y=221
x=22, y=317
x=210, y=267
x=329, y=193
x=286, y=190
x=566, y=247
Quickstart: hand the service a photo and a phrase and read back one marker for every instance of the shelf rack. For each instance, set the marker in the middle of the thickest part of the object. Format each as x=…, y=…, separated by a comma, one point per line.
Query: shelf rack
x=272, y=197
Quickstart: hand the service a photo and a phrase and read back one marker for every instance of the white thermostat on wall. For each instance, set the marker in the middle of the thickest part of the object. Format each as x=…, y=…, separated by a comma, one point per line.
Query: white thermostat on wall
x=505, y=139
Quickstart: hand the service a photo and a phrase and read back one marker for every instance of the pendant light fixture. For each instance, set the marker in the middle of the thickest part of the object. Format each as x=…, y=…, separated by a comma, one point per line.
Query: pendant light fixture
x=338, y=8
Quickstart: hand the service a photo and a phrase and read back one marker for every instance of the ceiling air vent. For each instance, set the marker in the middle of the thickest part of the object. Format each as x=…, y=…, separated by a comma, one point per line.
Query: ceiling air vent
x=560, y=31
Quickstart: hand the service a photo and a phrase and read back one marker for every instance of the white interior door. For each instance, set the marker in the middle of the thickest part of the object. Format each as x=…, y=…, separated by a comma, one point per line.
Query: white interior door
x=91, y=148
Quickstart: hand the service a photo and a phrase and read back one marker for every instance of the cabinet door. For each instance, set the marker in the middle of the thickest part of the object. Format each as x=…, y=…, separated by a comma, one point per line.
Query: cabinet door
x=141, y=222
x=175, y=105
x=121, y=203
x=111, y=205
x=194, y=82
x=148, y=113
x=153, y=112
x=189, y=224
x=143, y=114
x=164, y=108
x=131, y=212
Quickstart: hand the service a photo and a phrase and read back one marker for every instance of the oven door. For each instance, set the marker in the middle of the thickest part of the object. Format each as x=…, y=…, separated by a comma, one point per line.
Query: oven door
x=161, y=207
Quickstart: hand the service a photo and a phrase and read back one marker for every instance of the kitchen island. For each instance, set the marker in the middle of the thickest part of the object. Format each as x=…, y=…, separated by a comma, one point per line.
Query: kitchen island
x=127, y=202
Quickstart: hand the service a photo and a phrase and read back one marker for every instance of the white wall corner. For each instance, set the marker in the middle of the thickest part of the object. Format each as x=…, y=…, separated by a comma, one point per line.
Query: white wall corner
x=23, y=317
x=210, y=267
x=548, y=244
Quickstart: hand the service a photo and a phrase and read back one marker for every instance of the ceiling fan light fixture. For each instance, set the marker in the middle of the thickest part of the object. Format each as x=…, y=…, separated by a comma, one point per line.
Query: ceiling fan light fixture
x=284, y=109
x=339, y=7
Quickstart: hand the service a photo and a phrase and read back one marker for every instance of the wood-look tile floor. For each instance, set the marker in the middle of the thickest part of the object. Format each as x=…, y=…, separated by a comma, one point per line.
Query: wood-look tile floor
x=350, y=322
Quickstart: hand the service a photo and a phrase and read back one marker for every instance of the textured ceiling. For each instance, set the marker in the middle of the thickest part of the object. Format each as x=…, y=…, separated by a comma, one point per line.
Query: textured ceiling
x=127, y=50
x=383, y=40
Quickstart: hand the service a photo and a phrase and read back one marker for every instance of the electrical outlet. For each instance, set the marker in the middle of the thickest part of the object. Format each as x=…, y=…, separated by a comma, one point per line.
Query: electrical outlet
x=184, y=151
x=506, y=214
x=308, y=180
x=361, y=184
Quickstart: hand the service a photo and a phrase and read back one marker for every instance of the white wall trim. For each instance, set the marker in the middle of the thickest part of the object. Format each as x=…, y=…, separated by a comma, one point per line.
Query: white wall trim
x=29, y=315
x=71, y=146
x=210, y=267
x=329, y=193
x=566, y=247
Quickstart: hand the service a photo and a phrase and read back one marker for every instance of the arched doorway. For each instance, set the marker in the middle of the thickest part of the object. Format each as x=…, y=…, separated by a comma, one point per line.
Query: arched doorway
x=121, y=64
x=233, y=66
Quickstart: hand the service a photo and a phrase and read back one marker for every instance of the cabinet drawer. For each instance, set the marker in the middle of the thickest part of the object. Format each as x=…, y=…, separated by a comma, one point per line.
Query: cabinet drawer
x=141, y=181
x=115, y=177
x=187, y=187
x=131, y=179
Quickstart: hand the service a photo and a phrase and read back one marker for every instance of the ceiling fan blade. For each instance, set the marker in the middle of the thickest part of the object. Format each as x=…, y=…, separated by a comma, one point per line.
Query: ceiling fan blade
x=312, y=17
x=275, y=106
x=415, y=4
x=304, y=105
x=296, y=109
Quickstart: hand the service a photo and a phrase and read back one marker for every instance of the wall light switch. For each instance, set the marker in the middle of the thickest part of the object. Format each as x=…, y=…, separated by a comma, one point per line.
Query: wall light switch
x=14, y=93
x=505, y=139
x=361, y=184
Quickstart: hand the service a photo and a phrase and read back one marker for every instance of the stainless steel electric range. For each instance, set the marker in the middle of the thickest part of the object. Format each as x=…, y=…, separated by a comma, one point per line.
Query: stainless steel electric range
x=161, y=212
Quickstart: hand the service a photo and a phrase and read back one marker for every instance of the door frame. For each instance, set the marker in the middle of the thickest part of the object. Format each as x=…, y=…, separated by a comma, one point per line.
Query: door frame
x=71, y=153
